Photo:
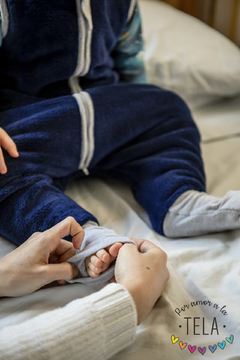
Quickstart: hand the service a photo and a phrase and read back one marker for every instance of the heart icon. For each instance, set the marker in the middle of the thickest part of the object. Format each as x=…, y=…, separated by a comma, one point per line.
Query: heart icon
x=230, y=340
x=202, y=350
x=191, y=348
x=174, y=340
x=222, y=345
x=182, y=346
x=212, y=348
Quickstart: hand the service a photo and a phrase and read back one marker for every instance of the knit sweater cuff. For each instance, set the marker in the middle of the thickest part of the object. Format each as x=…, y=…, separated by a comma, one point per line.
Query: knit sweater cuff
x=119, y=317
x=95, y=327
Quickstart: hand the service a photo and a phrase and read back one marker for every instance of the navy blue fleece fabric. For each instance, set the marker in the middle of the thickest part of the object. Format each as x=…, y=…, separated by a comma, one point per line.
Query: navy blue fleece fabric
x=40, y=51
x=147, y=137
x=40, y=34
x=48, y=137
x=143, y=135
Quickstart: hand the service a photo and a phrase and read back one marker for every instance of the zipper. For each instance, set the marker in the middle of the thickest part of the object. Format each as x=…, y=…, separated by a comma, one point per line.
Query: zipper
x=86, y=9
x=131, y=10
x=86, y=110
x=5, y=17
x=85, y=27
x=83, y=99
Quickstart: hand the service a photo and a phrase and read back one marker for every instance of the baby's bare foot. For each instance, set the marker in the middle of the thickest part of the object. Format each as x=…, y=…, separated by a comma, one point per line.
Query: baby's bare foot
x=102, y=259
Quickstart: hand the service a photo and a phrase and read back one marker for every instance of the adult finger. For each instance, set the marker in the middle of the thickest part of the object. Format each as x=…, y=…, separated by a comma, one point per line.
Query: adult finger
x=63, y=271
x=8, y=144
x=34, y=235
x=61, y=282
x=63, y=247
x=67, y=254
x=53, y=259
x=3, y=168
x=64, y=251
x=62, y=229
x=146, y=248
x=144, y=245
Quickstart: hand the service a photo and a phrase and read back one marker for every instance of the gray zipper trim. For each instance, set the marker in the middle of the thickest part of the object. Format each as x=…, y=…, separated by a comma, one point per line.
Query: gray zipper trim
x=131, y=9
x=86, y=8
x=73, y=83
x=86, y=110
x=85, y=27
x=5, y=17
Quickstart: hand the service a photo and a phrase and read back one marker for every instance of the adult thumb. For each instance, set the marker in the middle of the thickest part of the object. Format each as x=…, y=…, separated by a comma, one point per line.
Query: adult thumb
x=63, y=271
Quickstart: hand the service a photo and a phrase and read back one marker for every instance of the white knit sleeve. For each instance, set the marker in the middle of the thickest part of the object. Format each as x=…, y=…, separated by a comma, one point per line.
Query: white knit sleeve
x=95, y=327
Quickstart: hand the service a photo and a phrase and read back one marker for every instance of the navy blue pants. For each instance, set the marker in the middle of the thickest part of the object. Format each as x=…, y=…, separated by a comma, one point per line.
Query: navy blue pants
x=143, y=135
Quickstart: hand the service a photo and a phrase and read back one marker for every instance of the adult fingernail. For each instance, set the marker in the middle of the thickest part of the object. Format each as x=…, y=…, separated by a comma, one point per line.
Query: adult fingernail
x=75, y=271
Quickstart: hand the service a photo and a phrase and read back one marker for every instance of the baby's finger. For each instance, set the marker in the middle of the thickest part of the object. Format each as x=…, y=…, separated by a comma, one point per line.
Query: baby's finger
x=8, y=144
x=3, y=168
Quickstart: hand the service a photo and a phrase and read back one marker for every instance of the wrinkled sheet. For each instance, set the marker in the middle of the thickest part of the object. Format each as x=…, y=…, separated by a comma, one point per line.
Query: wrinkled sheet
x=205, y=268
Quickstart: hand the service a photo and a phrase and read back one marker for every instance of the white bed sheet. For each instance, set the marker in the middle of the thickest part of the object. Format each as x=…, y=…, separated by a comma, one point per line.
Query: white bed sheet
x=202, y=268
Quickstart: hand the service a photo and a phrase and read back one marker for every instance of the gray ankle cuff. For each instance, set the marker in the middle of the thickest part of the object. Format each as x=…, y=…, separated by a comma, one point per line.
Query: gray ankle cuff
x=96, y=238
x=197, y=213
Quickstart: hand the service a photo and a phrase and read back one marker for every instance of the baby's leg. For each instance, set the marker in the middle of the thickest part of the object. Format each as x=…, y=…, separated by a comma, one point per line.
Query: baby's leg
x=102, y=260
x=151, y=143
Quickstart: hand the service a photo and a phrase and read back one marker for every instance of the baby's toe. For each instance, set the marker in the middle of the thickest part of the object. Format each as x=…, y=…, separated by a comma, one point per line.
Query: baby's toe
x=101, y=261
x=92, y=274
x=103, y=255
x=96, y=261
x=114, y=249
x=93, y=271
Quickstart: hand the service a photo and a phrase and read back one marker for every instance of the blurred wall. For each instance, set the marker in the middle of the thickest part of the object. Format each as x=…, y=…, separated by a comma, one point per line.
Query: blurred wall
x=223, y=15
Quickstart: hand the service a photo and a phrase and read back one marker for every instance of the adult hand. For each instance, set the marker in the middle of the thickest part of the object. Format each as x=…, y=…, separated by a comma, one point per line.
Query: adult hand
x=37, y=262
x=8, y=144
x=143, y=272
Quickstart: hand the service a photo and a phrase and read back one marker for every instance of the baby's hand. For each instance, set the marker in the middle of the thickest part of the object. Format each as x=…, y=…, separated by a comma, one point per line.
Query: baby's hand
x=9, y=145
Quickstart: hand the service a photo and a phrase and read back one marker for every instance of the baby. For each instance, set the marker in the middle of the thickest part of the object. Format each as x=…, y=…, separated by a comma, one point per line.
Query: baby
x=72, y=103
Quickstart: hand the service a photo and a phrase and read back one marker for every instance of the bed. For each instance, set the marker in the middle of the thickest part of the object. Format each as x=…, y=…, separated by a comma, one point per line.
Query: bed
x=198, y=314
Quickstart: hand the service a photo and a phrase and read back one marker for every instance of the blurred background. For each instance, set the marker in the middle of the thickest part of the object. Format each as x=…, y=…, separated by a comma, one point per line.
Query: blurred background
x=223, y=15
